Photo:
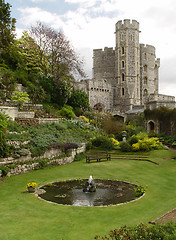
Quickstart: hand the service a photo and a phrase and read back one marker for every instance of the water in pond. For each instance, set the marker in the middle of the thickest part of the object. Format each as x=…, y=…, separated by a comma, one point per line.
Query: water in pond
x=108, y=192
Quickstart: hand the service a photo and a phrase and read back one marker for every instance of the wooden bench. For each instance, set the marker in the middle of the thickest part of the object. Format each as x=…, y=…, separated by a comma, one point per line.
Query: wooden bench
x=97, y=156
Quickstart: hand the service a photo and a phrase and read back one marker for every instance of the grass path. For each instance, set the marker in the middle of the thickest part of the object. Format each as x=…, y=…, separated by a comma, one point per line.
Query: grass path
x=25, y=217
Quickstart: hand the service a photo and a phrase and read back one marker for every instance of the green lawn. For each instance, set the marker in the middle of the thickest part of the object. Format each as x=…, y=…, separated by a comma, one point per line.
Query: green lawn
x=24, y=217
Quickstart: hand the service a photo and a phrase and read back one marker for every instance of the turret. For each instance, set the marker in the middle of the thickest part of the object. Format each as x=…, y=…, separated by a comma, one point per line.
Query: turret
x=127, y=64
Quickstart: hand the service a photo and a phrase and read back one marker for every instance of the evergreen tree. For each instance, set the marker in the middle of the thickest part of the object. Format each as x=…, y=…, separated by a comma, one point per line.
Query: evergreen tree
x=7, y=28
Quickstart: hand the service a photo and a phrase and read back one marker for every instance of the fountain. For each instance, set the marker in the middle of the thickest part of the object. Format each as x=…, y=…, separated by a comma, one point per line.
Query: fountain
x=83, y=192
x=90, y=185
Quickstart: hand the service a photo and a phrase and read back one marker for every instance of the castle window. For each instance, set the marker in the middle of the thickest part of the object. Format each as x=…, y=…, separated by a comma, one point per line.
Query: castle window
x=145, y=68
x=145, y=92
x=123, y=50
x=122, y=37
x=145, y=80
x=123, y=77
x=123, y=64
x=131, y=37
x=145, y=56
x=123, y=91
x=92, y=88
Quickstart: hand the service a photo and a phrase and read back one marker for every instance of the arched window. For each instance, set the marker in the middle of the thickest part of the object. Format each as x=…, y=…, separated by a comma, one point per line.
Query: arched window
x=123, y=91
x=123, y=64
x=145, y=56
x=123, y=50
x=122, y=37
x=145, y=80
x=123, y=77
x=145, y=92
x=145, y=68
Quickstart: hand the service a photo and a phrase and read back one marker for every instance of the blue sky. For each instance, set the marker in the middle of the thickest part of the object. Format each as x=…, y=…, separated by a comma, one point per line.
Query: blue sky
x=90, y=24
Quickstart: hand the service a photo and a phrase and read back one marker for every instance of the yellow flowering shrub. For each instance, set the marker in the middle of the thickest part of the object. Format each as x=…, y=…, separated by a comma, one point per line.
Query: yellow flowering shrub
x=147, y=144
x=84, y=119
x=135, y=147
x=114, y=141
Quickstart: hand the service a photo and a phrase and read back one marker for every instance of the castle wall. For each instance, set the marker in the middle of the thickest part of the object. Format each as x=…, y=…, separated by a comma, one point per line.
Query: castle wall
x=100, y=92
x=160, y=100
x=103, y=63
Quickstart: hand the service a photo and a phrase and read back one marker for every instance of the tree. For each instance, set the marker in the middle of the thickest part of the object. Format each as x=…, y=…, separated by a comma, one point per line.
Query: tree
x=7, y=25
x=59, y=51
x=20, y=97
x=79, y=99
x=30, y=53
x=7, y=83
x=7, y=29
x=62, y=91
x=36, y=94
x=62, y=60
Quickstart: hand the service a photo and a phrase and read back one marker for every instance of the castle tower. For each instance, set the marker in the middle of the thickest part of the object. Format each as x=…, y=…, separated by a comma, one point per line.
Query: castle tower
x=149, y=72
x=127, y=66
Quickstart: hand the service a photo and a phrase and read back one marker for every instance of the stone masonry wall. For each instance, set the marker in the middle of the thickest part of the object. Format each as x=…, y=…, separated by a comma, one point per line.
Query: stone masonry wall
x=54, y=155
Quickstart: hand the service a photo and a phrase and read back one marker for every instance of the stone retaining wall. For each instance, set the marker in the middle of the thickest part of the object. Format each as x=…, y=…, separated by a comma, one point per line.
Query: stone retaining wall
x=53, y=154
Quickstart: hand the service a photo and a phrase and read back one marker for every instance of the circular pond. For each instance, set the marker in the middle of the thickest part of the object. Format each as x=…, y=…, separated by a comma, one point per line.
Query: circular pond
x=108, y=192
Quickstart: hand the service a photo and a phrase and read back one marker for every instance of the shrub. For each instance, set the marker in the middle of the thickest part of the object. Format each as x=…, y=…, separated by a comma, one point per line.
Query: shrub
x=125, y=147
x=78, y=111
x=42, y=163
x=135, y=147
x=3, y=127
x=61, y=126
x=65, y=146
x=141, y=135
x=36, y=151
x=4, y=170
x=67, y=112
x=89, y=145
x=115, y=142
x=79, y=156
x=141, y=231
x=143, y=145
x=133, y=140
x=84, y=119
x=79, y=98
x=103, y=142
x=111, y=126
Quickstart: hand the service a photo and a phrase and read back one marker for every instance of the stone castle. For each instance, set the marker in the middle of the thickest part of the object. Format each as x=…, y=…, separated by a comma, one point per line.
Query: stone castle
x=125, y=79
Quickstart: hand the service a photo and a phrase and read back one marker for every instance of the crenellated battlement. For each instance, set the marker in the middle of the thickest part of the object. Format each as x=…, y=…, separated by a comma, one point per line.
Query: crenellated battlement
x=105, y=51
x=147, y=48
x=127, y=23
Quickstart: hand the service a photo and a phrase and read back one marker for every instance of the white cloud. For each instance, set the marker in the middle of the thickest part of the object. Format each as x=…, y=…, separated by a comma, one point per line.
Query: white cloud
x=83, y=2
x=92, y=26
x=39, y=1
x=29, y=16
x=36, y=1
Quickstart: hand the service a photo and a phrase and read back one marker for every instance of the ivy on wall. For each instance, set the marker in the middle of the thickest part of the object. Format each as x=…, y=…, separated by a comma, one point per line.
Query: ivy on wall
x=166, y=118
